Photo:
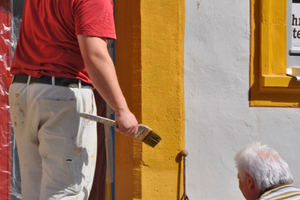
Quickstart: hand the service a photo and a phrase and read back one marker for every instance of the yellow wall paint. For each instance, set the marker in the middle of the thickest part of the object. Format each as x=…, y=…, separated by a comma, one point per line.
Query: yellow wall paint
x=163, y=95
x=128, y=151
x=150, y=66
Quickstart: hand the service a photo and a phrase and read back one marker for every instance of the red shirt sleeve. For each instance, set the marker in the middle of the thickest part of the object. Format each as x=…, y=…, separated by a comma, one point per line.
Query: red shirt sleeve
x=94, y=18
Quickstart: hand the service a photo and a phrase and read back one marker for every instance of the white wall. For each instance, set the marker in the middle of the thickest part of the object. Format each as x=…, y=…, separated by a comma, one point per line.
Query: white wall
x=219, y=121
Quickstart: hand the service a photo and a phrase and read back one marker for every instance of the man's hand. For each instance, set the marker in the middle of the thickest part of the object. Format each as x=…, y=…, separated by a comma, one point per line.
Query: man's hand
x=127, y=123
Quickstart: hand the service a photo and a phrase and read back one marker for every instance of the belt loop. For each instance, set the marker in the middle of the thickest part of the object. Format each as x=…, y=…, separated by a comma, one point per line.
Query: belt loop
x=79, y=84
x=13, y=79
x=53, y=80
x=28, y=80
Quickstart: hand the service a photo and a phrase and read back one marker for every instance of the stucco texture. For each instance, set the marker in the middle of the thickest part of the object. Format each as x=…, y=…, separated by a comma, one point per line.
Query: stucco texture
x=218, y=118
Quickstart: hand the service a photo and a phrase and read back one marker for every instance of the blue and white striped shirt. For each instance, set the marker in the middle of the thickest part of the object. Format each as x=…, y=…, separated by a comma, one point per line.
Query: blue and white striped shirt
x=284, y=192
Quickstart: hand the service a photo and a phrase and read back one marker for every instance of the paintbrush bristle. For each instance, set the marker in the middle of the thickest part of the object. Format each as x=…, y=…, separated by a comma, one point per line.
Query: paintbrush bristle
x=148, y=136
x=152, y=139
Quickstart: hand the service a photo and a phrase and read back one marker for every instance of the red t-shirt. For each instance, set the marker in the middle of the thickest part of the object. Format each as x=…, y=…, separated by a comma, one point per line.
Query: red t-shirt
x=48, y=42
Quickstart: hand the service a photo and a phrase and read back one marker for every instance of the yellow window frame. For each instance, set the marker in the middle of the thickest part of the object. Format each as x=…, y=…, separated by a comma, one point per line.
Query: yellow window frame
x=269, y=84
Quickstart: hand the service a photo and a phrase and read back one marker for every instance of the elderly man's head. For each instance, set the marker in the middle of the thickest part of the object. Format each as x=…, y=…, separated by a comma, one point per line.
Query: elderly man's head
x=260, y=167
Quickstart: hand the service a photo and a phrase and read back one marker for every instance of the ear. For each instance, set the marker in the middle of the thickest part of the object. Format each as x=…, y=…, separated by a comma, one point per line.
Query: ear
x=249, y=181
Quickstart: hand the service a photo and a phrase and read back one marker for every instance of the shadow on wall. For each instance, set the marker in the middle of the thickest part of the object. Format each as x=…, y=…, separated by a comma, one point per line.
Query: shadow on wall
x=181, y=176
x=178, y=159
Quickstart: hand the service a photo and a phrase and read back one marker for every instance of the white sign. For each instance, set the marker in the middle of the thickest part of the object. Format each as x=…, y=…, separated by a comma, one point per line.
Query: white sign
x=295, y=21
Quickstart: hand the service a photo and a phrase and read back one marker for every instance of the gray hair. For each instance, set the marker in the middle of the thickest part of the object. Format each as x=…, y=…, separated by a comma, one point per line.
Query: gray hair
x=264, y=165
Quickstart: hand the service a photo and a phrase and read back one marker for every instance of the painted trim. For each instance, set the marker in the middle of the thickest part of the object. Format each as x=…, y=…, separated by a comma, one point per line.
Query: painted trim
x=269, y=84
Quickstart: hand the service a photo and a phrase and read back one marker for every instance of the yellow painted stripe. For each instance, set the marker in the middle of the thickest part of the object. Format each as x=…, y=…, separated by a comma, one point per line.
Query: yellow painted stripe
x=163, y=96
x=150, y=66
x=128, y=151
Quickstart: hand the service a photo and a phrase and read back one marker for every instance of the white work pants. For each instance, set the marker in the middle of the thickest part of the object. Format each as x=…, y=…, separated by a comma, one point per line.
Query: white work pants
x=57, y=148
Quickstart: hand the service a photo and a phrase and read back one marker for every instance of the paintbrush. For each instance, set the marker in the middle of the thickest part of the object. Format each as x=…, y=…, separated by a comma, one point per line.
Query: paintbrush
x=144, y=133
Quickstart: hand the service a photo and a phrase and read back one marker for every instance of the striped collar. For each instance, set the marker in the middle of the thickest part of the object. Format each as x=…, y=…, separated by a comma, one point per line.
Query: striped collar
x=272, y=189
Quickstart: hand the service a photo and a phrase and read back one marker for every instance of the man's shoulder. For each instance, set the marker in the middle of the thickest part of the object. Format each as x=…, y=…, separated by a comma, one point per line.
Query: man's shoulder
x=281, y=192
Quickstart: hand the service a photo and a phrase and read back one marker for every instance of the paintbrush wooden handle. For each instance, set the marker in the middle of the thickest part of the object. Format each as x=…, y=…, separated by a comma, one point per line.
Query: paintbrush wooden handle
x=102, y=120
x=144, y=133
x=142, y=130
x=141, y=134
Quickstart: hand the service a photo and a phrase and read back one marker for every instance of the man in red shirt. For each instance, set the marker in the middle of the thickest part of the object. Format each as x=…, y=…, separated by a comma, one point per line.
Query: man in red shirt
x=61, y=52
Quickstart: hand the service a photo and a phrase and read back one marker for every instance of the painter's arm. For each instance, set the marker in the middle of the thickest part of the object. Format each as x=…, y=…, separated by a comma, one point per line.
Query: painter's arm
x=101, y=71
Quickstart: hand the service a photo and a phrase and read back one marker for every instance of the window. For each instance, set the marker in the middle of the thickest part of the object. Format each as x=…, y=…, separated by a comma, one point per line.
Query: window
x=269, y=83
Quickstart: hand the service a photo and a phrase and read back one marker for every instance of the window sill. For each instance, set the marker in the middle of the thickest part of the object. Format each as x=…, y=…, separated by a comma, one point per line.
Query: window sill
x=280, y=81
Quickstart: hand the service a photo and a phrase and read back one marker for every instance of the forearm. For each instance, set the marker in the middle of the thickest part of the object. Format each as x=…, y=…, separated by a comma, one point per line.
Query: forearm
x=103, y=75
